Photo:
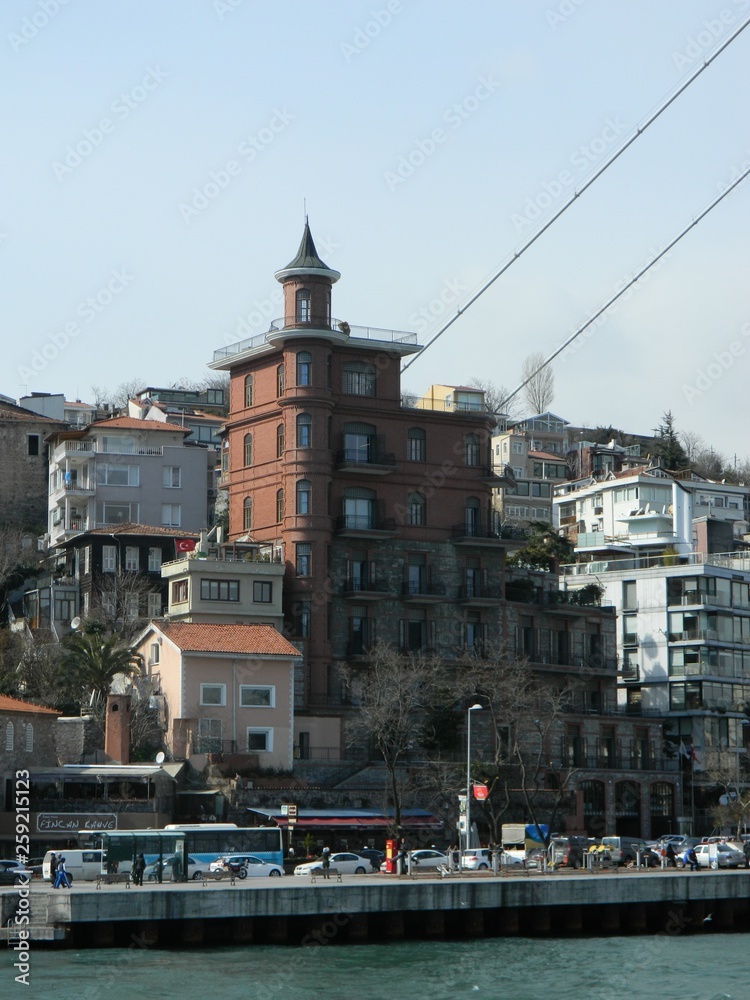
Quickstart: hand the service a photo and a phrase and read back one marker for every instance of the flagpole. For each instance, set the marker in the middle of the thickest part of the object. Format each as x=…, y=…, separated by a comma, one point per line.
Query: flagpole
x=692, y=792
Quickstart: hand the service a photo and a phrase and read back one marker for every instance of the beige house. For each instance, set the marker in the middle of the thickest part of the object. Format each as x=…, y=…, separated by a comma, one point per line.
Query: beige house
x=226, y=688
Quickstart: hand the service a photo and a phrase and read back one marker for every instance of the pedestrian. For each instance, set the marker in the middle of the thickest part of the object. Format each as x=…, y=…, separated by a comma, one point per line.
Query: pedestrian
x=690, y=858
x=326, y=862
x=671, y=856
x=61, y=880
x=402, y=855
x=53, y=869
x=139, y=866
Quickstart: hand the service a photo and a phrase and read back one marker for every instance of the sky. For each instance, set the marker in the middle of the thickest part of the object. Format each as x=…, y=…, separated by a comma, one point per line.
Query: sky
x=159, y=157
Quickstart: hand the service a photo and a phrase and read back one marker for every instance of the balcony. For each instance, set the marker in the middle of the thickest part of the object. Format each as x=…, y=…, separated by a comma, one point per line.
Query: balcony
x=480, y=595
x=423, y=591
x=73, y=488
x=498, y=476
x=365, y=589
x=369, y=462
x=478, y=532
x=365, y=526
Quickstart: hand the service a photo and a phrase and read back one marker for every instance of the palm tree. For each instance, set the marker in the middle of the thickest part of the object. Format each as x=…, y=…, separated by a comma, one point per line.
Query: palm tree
x=96, y=661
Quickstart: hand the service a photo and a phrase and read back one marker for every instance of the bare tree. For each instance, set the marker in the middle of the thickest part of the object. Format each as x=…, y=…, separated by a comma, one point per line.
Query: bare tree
x=119, y=602
x=496, y=397
x=392, y=692
x=118, y=397
x=539, y=390
x=725, y=770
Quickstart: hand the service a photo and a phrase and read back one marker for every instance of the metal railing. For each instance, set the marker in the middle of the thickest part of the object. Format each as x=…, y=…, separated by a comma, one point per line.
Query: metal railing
x=352, y=456
x=317, y=323
x=364, y=522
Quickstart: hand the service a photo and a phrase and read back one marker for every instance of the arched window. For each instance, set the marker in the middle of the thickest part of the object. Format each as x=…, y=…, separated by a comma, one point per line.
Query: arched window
x=593, y=801
x=471, y=444
x=471, y=516
x=304, y=368
x=416, y=445
x=280, y=380
x=248, y=449
x=10, y=736
x=302, y=306
x=358, y=379
x=279, y=505
x=248, y=390
x=416, y=509
x=29, y=738
x=280, y=441
x=247, y=514
x=304, y=496
x=304, y=430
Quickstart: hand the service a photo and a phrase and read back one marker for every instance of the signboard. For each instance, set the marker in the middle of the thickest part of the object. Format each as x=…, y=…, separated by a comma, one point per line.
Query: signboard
x=290, y=811
x=71, y=822
x=480, y=792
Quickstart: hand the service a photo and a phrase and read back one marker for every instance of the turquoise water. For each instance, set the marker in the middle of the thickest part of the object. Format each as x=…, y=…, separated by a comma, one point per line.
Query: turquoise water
x=703, y=966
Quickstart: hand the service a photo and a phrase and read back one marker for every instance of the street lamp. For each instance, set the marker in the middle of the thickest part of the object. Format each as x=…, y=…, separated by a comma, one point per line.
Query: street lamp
x=472, y=708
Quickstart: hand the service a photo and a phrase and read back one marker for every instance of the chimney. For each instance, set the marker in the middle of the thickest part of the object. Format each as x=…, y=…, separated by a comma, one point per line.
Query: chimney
x=117, y=729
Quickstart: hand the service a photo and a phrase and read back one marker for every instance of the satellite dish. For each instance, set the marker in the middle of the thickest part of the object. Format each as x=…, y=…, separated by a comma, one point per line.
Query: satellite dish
x=161, y=757
x=76, y=623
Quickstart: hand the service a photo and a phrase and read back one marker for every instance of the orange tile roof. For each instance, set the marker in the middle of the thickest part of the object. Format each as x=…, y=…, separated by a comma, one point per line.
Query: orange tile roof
x=9, y=411
x=261, y=640
x=547, y=456
x=16, y=705
x=136, y=424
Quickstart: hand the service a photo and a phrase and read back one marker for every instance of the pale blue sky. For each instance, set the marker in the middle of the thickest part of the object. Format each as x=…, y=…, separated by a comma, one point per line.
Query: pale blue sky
x=299, y=99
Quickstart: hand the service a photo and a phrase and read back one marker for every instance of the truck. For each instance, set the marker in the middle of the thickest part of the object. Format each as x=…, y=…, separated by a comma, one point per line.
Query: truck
x=520, y=838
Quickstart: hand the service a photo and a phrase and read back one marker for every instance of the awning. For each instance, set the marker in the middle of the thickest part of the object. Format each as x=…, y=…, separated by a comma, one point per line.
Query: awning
x=357, y=819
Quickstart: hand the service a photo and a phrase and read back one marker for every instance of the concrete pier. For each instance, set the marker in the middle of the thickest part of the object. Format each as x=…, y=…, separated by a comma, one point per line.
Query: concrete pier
x=381, y=907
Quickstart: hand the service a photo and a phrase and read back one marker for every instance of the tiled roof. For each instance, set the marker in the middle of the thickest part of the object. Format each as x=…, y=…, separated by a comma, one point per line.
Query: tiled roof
x=136, y=424
x=262, y=640
x=16, y=705
x=9, y=411
x=547, y=456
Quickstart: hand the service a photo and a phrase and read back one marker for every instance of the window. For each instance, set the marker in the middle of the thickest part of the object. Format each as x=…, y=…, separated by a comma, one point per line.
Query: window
x=32, y=444
x=171, y=514
x=109, y=558
x=280, y=441
x=629, y=596
x=279, y=505
x=257, y=696
x=120, y=513
x=304, y=497
x=302, y=306
x=86, y=560
x=213, y=694
x=208, y=736
x=359, y=508
x=260, y=740
x=154, y=560
x=303, y=558
x=172, y=477
x=248, y=390
x=360, y=443
x=518, y=447
x=118, y=475
x=220, y=590
x=262, y=592
x=132, y=606
x=304, y=430
x=132, y=558
x=247, y=514
x=416, y=445
x=304, y=368
x=415, y=509
x=28, y=738
x=179, y=591
x=358, y=379
x=471, y=516
x=302, y=619
x=10, y=736
x=471, y=448
x=154, y=654
x=248, y=444
x=153, y=604
x=361, y=631
x=280, y=380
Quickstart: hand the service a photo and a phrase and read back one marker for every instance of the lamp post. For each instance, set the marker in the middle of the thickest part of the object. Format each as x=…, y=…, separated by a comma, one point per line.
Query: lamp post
x=472, y=708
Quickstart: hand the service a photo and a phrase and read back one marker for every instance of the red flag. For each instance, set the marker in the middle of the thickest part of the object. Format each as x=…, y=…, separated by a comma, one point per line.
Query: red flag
x=184, y=544
x=480, y=791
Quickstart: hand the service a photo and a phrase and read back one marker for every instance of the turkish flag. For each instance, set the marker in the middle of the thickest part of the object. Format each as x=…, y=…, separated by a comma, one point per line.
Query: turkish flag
x=184, y=544
x=480, y=791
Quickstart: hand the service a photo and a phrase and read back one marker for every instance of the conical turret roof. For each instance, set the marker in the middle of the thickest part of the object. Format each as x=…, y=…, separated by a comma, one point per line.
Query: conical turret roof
x=307, y=260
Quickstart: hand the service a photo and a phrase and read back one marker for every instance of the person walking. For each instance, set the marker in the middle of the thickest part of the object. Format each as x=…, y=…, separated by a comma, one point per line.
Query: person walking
x=671, y=856
x=326, y=862
x=53, y=870
x=139, y=866
x=61, y=879
x=402, y=856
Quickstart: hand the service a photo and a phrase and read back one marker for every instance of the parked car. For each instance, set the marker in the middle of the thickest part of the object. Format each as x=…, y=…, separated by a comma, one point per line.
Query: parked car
x=725, y=857
x=151, y=872
x=478, y=859
x=625, y=850
x=567, y=852
x=344, y=862
x=376, y=857
x=424, y=859
x=243, y=865
x=12, y=872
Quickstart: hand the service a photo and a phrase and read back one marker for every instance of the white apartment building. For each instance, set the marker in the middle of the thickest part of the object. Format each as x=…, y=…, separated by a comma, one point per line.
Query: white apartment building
x=126, y=471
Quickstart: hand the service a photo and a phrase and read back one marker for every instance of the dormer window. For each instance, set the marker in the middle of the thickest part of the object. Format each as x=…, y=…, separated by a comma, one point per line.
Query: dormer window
x=302, y=306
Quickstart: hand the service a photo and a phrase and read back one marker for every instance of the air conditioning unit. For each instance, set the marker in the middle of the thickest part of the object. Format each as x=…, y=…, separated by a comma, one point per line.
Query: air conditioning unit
x=212, y=493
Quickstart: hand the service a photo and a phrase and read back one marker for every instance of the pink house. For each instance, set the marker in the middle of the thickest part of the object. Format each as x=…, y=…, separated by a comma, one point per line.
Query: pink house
x=225, y=689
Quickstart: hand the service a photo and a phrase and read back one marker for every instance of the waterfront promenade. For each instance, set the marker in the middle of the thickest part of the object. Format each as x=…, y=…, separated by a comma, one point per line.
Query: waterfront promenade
x=382, y=907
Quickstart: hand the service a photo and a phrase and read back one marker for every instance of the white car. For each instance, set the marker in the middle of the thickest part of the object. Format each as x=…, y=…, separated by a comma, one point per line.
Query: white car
x=479, y=859
x=151, y=872
x=423, y=860
x=243, y=865
x=347, y=864
x=726, y=856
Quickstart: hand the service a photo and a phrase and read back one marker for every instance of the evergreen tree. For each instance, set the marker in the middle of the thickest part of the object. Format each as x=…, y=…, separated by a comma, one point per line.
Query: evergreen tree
x=668, y=448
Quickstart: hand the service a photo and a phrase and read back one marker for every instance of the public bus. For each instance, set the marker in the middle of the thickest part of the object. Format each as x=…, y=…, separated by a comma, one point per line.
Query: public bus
x=203, y=842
